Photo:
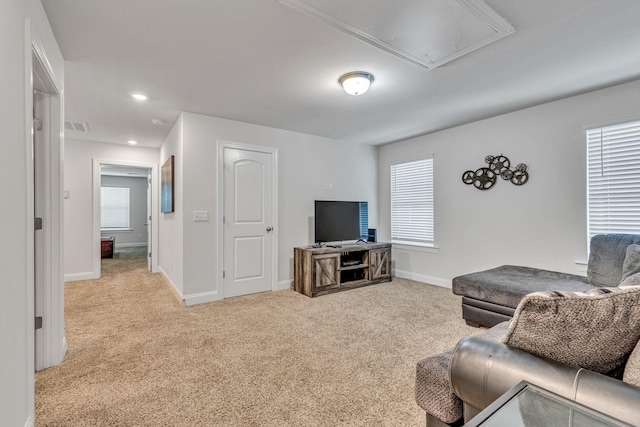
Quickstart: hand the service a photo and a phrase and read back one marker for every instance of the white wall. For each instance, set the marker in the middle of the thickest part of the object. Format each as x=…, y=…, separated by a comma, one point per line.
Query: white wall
x=170, y=237
x=78, y=208
x=306, y=162
x=137, y=235
x=540, y=224
x=16, y=227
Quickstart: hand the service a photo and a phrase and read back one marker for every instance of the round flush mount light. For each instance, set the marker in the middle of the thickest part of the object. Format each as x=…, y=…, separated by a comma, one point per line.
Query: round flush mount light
x=139, y=96
x=132, y=142
x=356, y=82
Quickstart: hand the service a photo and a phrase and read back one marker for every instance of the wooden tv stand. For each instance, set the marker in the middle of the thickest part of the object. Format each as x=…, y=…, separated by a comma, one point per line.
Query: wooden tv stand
x=319, y=271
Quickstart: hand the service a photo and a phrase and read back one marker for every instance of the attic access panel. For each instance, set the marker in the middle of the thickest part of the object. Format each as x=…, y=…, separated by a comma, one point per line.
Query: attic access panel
x=428, y=33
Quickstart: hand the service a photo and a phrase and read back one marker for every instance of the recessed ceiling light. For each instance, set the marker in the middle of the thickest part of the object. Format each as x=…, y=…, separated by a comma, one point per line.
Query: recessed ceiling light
x=132, y=142
x=356, y=82
x=139, y=96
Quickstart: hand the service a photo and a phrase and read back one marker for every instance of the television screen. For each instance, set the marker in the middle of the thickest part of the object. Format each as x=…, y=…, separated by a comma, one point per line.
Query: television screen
x=336, y=221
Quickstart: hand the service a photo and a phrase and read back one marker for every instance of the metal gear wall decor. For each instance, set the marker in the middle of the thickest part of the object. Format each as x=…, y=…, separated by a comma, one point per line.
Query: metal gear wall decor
x=484, y=178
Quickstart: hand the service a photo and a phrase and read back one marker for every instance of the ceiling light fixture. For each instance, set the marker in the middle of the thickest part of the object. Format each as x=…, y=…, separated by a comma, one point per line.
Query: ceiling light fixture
x=356, y=82
x=132, y=142
x=139, y=96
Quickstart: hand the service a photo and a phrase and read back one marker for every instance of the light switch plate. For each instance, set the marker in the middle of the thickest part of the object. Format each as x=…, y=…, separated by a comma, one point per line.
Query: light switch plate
x=200, y=216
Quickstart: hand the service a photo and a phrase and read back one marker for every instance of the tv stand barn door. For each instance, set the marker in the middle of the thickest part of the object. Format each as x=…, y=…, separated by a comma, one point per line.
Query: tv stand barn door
x=326, y=271
x=320, y=271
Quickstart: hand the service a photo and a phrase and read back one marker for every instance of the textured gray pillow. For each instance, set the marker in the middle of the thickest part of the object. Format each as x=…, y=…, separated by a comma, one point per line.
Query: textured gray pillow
x=607, y=256
x=631, y=264
x=596, y=330
x=632, y=369
x=631, y=281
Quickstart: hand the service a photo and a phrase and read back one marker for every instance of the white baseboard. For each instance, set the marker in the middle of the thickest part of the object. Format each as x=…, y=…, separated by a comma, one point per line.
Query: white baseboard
x=438, y=281
x=29, y=422
x=171, y=285
x=87, y=275
x=200, y=298
x=191, y=299
x=284, y=284
x=130, y=245
x=65, y=347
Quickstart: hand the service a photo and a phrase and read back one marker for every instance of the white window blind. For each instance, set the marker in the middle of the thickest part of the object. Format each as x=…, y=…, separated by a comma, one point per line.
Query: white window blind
x=613, y=184
x=114, y=208
x=412, y=202
x=364, y=220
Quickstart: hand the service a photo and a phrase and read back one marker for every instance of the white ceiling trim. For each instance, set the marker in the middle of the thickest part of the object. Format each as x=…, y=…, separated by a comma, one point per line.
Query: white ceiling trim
x=495, y=24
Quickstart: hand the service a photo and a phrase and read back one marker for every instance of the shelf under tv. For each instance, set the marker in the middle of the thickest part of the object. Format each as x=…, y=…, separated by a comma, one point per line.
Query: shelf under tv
x=324, y=270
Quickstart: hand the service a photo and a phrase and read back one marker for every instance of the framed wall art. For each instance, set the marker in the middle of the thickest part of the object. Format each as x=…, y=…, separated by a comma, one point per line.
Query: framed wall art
x=167, y=197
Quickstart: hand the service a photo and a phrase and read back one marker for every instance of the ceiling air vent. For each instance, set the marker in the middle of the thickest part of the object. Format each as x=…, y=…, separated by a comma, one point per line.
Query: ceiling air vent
x=77, y=126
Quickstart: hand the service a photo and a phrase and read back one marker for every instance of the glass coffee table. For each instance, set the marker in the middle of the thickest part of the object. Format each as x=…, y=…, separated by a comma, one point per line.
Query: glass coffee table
x=526, y=405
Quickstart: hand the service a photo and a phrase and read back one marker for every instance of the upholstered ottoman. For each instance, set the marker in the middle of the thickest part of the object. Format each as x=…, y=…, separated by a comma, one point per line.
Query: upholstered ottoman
x=491, y=296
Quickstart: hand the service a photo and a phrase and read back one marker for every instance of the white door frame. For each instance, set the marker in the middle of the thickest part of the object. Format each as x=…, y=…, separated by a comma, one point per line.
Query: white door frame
x=34, y=49
x=220, y=209
x=97, y=179
x=51, y=346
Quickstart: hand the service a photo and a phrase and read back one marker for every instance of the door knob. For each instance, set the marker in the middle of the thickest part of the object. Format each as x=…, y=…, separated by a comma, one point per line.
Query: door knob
x=269, y=229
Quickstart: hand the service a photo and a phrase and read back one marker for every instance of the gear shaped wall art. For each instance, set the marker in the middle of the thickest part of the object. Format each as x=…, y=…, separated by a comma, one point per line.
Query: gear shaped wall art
x=484, y=178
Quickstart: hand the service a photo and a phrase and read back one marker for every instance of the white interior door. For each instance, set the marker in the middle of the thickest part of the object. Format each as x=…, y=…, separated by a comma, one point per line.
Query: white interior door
x=48, y=294
x=248, y=227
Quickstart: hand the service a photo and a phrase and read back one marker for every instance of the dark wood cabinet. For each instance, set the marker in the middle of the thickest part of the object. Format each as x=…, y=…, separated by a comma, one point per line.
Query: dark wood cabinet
x=324, y=270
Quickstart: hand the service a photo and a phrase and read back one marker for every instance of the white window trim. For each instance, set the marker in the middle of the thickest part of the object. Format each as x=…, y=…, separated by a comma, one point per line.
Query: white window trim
x=430, y=249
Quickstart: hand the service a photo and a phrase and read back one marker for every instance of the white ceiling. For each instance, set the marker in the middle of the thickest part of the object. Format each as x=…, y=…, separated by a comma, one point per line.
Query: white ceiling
x=261, y=62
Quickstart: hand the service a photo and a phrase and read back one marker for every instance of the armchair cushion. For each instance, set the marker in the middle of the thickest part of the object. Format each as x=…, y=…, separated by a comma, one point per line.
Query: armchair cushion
x=596, y=330
x=433, y=391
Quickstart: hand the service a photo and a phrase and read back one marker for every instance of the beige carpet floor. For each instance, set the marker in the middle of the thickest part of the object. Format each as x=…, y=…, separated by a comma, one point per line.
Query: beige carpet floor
x=138, y=358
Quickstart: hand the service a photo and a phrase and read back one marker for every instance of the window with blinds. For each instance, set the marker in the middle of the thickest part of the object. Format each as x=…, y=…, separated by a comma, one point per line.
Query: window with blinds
x=613, y=179
x=412, y=203
x=364, y=220
x=114, y=208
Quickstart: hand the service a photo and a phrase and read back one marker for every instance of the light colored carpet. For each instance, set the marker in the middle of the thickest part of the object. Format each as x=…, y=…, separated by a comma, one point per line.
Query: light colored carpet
x=137, y=357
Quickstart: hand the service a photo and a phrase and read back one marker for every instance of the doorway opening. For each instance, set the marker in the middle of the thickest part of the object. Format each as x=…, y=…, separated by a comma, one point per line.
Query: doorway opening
x=125, y=212
x=125, y=218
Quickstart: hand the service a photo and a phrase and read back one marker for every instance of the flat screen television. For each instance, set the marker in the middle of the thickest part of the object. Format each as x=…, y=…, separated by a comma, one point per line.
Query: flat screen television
x=336, y=221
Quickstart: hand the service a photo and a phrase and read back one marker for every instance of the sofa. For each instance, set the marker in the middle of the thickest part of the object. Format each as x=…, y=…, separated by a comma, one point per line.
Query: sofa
x=490, y=297
x=584, y=346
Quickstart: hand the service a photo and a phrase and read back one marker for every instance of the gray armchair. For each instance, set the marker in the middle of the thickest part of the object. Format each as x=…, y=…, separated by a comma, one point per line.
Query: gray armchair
x=582, y=346
x=481, y=370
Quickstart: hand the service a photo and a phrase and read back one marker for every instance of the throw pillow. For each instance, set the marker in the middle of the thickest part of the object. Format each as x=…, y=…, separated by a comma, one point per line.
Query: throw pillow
x=631, y=264
x=606, y=257
x=596, y=330
x=632, y=370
